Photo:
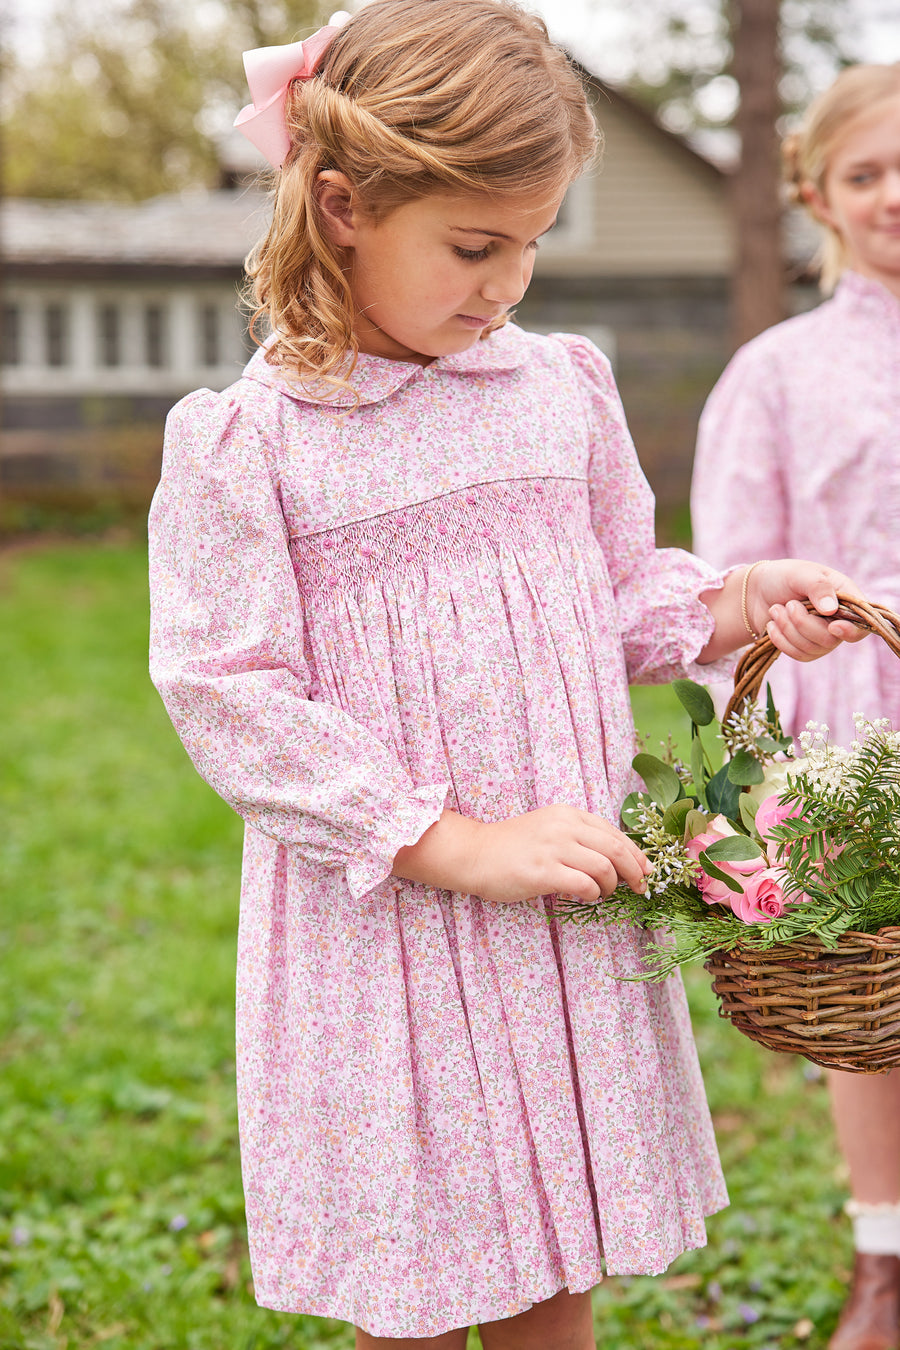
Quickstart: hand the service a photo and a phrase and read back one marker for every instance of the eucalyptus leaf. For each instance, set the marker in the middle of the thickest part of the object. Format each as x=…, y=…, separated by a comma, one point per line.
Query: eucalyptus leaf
x=676, y=815
x=771, y=745
x=661, y=780
x=712, y=871
x=734, y=848
x=695, y=823
x=696, y=700
x=745, y=769
x=722, y=794
x=697, y=767
x=748, y=808
x=631, y=809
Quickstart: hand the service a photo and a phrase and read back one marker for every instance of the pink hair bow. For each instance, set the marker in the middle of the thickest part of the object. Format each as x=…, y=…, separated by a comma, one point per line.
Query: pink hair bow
x=269, y=72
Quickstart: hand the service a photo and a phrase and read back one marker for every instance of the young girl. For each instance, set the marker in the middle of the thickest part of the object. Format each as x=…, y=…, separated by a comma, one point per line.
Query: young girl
x=402, y=571
x=798, y=451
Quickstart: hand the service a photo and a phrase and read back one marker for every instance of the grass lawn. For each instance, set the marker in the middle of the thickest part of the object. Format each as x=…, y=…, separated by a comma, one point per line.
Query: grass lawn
x=121, y=1214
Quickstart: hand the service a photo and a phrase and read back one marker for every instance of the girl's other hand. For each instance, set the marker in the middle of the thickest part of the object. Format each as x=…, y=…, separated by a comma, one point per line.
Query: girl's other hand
x=775, y=593
x=555, y=850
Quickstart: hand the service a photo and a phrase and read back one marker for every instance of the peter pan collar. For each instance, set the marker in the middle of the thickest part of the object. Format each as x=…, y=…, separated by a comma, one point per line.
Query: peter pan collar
x=374, y=378
x=855, y=289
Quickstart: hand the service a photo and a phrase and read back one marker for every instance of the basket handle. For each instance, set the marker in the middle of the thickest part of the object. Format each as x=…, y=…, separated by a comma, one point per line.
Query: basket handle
x=752, y=666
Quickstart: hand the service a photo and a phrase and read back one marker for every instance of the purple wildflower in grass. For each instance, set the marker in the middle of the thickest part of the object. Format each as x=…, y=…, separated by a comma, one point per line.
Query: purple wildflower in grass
x=20, y=1236
x=747, y=1313
x=178, y=1222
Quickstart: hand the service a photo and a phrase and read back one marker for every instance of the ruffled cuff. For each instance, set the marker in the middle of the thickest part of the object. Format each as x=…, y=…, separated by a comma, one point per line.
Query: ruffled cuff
x=697, y=632
x=665, y=623
x=409, y=820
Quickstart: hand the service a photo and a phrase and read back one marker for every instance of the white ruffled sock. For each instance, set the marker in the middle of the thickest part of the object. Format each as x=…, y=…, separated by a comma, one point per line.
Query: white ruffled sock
x=876, y=1227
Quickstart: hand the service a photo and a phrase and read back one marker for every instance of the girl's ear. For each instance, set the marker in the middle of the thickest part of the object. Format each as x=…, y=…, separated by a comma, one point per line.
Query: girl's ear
x=334, y=195
x=817, y=203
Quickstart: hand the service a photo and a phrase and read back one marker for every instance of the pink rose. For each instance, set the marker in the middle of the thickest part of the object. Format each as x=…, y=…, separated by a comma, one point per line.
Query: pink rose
x=763, y=897
x=700, y=842
x=772, y=812
x=714, y=891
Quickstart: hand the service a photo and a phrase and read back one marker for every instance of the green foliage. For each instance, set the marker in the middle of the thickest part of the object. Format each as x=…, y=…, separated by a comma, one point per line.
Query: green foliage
x=843, y=849
x=662, y=781
x=722, y=793
x=838, y=856
x=129, y=97
x=735, y=848
x=744, y=769
x=676, y=59
x=697, y=700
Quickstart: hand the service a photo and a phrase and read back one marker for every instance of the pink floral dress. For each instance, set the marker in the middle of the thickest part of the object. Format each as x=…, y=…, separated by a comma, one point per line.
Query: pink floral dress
x=798, y=455
x=449, y=1109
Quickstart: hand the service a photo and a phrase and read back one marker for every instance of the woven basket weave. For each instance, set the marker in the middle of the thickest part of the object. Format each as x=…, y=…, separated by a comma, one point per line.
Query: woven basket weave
x=838, y=1006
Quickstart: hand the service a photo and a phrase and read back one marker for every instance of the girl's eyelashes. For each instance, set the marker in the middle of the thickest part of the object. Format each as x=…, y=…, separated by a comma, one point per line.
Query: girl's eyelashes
x=479, y=254
x=470, y=254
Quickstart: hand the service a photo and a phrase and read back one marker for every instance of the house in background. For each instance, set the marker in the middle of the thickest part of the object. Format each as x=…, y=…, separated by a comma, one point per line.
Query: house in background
x=131, y=305
x=112, y=312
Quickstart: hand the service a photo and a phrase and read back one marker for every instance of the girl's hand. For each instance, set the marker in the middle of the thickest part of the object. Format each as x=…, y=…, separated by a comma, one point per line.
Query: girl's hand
x=774, y=594
x=554, y=850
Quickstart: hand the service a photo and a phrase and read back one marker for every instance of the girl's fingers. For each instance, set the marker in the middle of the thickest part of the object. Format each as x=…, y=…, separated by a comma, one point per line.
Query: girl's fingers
x=798, y=633
x=786, y=644
x=603, y=839
x=821, y=591
x=846, y=632
x=555, y=850
x=605, y=863
x=585, y=886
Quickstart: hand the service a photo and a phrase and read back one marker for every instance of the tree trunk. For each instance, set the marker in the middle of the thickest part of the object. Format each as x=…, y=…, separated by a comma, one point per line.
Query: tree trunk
x=758, y=284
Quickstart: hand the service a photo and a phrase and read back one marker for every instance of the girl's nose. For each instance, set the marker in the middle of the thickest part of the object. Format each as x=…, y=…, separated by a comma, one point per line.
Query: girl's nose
x=507, y=283
x=891, y=189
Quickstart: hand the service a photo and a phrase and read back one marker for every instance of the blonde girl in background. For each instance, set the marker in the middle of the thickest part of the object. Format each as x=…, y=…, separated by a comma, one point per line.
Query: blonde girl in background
x=402, y=572
x=799, y=451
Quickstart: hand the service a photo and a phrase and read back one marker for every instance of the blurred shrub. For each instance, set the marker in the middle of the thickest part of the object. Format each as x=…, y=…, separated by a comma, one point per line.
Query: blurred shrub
x=78, y=482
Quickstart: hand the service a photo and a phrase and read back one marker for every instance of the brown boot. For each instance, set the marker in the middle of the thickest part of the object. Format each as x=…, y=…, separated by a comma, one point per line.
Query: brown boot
x=871, y=1316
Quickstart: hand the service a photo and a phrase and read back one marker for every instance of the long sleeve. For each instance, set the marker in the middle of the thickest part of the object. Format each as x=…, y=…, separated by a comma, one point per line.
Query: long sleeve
x=227, y=656
x=663, y=624
x=740, y=509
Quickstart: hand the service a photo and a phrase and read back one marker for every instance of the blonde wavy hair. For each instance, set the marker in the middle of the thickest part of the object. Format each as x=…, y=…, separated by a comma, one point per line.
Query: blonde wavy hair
x=413, y=97
x=806, y=153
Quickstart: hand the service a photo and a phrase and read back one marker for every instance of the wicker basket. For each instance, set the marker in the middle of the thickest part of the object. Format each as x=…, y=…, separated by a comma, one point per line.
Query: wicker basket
x=838, y=1006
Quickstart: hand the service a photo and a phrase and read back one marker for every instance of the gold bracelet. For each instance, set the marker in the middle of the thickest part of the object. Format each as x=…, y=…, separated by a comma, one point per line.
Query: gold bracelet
x=744, y=615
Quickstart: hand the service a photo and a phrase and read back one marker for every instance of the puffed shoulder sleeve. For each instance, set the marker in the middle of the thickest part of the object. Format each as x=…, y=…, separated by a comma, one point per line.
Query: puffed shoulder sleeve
x=663, y=624
x=739, y=505
x=227, y=644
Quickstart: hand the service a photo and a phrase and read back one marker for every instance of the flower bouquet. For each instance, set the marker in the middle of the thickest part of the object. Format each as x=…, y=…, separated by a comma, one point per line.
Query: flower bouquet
x=780, y=870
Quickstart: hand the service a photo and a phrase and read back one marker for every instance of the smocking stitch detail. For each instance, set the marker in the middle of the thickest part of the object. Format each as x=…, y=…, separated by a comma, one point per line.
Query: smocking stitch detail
x=458, y=526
